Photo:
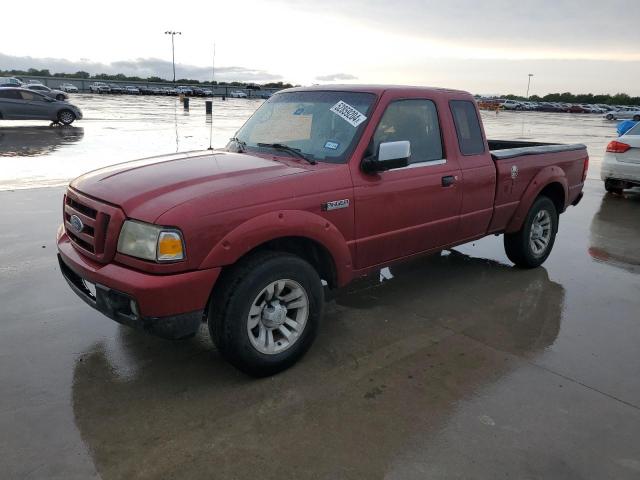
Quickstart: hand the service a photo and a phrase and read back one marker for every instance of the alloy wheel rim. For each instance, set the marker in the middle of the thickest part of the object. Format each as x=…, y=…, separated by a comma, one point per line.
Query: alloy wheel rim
x=540, y=233
x=277, y=316
x=66, y=117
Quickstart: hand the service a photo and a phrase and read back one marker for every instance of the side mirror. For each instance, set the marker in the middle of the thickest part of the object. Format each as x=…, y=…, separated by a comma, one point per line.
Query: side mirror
x=390, y=155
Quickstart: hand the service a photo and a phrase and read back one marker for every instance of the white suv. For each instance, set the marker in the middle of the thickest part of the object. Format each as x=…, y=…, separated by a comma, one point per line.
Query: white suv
x=99, y=87
x=511, y=105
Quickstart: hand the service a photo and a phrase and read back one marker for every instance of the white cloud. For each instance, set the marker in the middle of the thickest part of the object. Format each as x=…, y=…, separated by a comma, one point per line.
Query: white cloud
x=141, y=67
x=336, y=76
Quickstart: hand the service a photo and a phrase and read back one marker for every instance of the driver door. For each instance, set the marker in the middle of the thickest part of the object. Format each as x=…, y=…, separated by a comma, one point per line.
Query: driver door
x=36, y=106
x=413, y=209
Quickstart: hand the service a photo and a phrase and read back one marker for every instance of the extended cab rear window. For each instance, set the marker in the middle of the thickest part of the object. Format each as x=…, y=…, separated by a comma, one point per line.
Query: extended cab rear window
x=465, y=117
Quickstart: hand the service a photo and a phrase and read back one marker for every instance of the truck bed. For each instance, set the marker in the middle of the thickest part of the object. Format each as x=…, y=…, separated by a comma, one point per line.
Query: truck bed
x=507, y=149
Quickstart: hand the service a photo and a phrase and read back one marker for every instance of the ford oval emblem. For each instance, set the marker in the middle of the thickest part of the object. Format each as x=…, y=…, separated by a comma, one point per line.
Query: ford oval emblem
x=76, y=223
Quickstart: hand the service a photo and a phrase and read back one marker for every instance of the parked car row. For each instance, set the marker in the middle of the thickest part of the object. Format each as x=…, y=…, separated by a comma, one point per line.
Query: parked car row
x=34, y=86
x=610, y=112
x=102, y=87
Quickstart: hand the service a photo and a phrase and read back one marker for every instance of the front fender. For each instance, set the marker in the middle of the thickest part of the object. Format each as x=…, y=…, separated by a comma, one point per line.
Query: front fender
x=279, y=224
x=546, y=176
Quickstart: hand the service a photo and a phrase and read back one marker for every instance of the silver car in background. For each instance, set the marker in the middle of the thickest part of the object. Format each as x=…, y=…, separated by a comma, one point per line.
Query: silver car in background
x=626, y=114
x=44, y=90
x=69, y=88
x=25, y=104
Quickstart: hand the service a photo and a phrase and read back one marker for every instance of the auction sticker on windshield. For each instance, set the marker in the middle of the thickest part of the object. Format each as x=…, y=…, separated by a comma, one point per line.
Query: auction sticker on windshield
x=348, y=113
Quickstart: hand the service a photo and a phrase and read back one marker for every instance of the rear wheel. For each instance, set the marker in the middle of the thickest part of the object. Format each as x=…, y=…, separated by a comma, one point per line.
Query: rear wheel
x=636, y=118
x=66, y=117
x=612, y=186
x=265, y=312
x=609, y=116
x=530, y=247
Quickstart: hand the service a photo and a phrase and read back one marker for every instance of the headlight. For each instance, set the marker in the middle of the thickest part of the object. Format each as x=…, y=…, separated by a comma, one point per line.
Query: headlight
x=150, y=242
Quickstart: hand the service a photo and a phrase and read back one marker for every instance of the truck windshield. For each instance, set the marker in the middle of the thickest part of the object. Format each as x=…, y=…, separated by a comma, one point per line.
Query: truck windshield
x=322, y=125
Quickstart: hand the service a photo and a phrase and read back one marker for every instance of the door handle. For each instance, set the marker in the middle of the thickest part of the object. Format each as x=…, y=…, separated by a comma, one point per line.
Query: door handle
x=448, y=180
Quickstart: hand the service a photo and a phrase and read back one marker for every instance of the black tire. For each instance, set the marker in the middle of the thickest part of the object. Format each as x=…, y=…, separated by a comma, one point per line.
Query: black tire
x=636, y=118
x=609, y=116
x=613, y=187
x=232, y=299
x=66, y=117
x=518, y=245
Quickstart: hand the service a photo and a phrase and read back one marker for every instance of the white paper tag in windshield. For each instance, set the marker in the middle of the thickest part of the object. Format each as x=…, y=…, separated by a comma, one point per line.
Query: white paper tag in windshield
x=348, y=113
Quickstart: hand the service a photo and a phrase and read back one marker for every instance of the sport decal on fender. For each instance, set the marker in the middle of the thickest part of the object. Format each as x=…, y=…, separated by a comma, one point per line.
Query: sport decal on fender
x=336, y=204
x=348, y=113
x=514, y=171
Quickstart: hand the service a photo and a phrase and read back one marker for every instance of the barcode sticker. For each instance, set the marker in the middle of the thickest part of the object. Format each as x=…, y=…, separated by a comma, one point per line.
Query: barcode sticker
x=348, y=113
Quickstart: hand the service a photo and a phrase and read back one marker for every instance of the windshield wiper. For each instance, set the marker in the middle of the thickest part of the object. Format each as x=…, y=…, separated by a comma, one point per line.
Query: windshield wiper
x=241, y=145
x=287, y=148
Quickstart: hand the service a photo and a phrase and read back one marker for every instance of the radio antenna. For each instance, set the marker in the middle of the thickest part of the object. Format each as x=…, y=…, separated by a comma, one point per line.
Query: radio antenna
x=213, y=76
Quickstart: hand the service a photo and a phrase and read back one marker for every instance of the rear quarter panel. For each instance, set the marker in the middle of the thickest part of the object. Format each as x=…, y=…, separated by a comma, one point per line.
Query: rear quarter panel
x=520, y=180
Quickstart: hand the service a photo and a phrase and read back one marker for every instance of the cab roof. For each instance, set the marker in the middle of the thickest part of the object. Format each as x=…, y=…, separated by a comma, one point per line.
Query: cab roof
x=376, y=89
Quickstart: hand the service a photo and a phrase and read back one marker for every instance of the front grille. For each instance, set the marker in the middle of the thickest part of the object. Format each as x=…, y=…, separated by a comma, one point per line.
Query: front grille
x=95, y=216
x=90, y=212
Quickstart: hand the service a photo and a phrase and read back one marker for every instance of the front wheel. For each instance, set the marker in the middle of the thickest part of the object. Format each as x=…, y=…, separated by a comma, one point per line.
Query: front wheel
x=66, y=117
x=609, y=116
x=530, y=247
x=265, y=312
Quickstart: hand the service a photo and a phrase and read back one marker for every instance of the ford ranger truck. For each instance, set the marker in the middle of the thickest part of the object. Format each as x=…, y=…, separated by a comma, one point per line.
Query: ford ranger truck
x=320, y=186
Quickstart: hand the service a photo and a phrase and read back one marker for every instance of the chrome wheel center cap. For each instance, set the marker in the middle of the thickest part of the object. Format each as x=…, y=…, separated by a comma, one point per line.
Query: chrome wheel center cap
x=274, y=315
x=537, y=231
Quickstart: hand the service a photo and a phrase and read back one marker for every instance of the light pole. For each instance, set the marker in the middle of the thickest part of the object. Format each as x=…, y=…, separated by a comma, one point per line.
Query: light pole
x=529, y=84
x=173, y=51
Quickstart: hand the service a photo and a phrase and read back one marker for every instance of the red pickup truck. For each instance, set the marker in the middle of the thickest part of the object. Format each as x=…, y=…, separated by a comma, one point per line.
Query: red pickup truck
x=320, y=186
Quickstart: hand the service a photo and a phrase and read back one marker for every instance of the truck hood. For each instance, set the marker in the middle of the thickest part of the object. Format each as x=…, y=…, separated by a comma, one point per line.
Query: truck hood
x=147, y=188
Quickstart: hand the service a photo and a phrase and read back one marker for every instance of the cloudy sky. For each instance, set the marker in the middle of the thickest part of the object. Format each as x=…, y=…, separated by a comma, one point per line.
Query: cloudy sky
x=484, y=47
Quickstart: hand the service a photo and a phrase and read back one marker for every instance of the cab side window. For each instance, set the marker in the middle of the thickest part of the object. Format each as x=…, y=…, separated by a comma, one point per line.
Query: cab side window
x=465, y=118
x=413, y=120
x=28, y=96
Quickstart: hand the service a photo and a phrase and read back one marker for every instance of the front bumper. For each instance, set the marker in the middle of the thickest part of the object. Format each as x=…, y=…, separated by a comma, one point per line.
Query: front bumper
x=170, y=306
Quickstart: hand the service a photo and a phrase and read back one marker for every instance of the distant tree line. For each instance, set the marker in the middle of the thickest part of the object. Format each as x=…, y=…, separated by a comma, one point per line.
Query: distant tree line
x=568, y=97
x=33, y=72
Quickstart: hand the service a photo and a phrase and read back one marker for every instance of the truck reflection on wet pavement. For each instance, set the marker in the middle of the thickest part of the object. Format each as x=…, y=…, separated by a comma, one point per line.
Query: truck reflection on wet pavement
x=407, y=324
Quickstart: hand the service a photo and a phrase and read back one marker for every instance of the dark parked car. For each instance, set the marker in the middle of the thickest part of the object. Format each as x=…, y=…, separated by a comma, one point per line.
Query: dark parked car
x=577, y=109
x=116, y=88
x=548, y=107
x=24, y=104
x=10, y=82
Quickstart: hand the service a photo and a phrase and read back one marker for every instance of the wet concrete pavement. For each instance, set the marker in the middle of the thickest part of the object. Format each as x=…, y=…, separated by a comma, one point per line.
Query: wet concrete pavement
x=461, y=366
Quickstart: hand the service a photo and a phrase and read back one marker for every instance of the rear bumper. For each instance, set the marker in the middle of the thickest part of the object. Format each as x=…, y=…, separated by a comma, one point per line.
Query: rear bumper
x=170, y=306
x=613, y=169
